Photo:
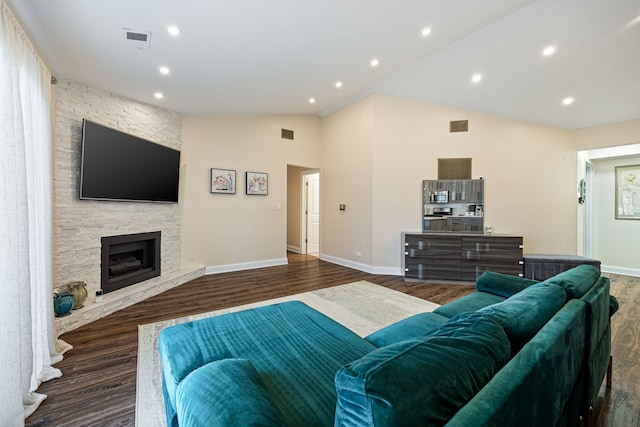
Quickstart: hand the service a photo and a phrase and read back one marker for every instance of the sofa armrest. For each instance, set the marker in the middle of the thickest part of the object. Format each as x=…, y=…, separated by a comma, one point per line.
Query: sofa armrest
x=226, y=392
x=548, y=367
x=614, y=305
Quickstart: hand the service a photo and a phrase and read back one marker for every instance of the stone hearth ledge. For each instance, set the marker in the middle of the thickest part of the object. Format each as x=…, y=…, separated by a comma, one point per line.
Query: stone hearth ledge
x=117, y=300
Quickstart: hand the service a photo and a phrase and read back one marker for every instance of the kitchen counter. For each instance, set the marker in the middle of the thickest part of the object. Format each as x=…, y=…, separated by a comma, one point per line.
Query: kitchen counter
x=451, y=223
x=458, y=233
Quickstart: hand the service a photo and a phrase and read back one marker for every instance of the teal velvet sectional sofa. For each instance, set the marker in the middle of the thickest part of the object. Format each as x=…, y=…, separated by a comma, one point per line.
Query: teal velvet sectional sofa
x=515, y=352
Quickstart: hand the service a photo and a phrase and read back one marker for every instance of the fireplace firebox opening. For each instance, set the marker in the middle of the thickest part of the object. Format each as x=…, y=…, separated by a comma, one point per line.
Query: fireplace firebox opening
x=129, y=259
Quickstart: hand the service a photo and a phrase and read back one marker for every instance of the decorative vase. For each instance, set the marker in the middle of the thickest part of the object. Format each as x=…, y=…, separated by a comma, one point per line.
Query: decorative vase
x=79, y=292
x=62, y=303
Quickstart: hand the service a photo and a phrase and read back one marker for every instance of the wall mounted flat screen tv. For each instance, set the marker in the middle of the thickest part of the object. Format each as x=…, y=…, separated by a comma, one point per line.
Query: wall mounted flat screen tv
x=119, y=166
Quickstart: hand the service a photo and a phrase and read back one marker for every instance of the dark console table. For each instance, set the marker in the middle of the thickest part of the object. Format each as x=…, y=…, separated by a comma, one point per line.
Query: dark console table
x=541, y=267
x=459, y=257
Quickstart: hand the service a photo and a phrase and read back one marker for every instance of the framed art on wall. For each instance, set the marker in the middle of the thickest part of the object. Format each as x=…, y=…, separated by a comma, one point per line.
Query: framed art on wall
x=223, y=181
x=628, y=192
x=257, y=183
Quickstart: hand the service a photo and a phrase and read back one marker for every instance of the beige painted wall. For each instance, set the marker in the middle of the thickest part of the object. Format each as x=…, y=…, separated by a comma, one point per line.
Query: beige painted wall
x=389, y=145
x=347, y=178
x=609, y=136
x=373, y=155
x=225, y=231
x=616, y=242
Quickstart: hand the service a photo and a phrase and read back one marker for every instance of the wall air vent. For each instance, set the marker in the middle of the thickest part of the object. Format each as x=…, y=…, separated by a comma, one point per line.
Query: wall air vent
x=134, y=39
x=459, y=126
x=459, y=168
x=287, y=134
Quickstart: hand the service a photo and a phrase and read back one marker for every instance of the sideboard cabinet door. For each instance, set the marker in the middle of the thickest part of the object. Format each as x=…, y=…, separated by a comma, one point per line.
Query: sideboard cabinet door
x=495, y=253
x=431, y=257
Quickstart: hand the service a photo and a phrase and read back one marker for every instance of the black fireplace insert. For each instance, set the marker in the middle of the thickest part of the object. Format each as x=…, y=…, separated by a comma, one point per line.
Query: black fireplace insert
x=129, y=259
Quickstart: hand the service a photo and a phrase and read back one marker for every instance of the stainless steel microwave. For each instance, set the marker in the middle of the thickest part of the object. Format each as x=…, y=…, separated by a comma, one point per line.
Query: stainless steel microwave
x=439, y=197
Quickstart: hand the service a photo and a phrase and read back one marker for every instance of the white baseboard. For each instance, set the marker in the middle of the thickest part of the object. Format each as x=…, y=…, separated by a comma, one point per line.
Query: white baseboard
x=620, y=270
x=388, y=271
x=216, y=269
x=294, y=249
x=391, y=271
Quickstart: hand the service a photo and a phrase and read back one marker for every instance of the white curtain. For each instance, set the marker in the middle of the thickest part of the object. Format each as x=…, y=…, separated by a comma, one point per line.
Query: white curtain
x=27, y=341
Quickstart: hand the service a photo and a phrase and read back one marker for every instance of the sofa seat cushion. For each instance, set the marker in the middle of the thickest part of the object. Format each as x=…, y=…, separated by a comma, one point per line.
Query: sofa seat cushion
x=226, y=392
x=422, y=381
x=468, y=303
x=411, y=327
x=576, y=281
x=293, y=347
x=525, y=313
x=503, y=285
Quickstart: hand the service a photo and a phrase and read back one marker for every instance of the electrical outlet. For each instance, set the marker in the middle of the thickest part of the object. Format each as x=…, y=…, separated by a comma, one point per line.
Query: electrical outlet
x=358, y=253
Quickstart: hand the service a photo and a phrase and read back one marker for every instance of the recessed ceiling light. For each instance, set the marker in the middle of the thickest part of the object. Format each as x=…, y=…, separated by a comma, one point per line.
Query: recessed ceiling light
x=164, y=70
x=476, y=78
x=567, y=101
x=312, y=100
x=173, y=30
x=549, y=50
x=158, y=95
x=426, y=31
x=375, y=62
x=338, y=85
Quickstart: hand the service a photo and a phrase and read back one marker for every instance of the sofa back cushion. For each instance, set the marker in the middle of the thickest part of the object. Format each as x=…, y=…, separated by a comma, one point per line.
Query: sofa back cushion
x=525, y=313
x=411, y=327
x=422, y=381
x=468, y=303
x=576, y=281
x=503, y=285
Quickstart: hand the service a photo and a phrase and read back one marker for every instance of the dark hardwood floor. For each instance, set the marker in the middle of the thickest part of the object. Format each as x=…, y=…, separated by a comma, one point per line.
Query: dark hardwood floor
x=98, y=387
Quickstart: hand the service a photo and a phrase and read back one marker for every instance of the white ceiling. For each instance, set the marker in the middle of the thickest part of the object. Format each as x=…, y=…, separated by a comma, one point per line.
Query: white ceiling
x=272, y=56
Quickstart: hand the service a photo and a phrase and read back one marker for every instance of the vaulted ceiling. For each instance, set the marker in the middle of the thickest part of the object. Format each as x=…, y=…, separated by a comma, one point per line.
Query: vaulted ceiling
x=275, y=56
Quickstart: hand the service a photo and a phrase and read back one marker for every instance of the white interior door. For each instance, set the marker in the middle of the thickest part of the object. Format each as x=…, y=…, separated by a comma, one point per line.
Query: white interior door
x=312, y=212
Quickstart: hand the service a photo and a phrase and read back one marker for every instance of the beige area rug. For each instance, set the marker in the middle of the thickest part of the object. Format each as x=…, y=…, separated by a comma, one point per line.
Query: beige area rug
x=362, y=307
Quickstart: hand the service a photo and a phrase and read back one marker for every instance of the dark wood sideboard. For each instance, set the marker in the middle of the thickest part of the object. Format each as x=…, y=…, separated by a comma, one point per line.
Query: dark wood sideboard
x=460, y=257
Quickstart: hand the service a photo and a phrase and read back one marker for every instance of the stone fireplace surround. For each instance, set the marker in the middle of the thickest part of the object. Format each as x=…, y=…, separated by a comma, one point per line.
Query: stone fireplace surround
x=79, y=225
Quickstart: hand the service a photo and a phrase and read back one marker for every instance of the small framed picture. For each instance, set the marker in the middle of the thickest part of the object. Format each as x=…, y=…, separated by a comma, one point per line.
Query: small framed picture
x=223, y=181
x=628, y=192
x=257, y=183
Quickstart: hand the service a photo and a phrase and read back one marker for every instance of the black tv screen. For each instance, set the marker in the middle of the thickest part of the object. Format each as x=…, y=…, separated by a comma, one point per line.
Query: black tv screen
x=119, y=166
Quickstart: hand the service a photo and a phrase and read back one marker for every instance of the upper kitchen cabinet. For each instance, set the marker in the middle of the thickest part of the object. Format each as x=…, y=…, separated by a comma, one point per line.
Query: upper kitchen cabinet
x=475, y=193
x=457, y=190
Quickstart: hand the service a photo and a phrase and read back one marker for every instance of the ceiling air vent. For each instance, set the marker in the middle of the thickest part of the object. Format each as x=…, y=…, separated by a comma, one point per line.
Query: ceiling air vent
x=459, y=126
x=287, y=134
x=137, y=39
